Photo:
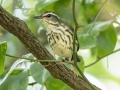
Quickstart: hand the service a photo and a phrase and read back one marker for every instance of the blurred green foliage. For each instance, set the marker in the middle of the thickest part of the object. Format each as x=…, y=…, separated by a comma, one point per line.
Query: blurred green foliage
x=98, y=37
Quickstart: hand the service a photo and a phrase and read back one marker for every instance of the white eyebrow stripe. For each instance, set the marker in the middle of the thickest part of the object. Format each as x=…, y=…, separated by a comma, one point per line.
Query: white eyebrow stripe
x=53, y=14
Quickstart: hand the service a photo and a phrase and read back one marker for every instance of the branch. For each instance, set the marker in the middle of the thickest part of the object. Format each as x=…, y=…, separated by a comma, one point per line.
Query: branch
x=19, y=28
x=74, y=51
x=101, y=58
x=105, y=3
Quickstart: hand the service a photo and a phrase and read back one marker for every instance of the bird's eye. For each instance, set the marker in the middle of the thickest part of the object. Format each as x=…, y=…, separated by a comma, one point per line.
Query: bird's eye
x=49, y=15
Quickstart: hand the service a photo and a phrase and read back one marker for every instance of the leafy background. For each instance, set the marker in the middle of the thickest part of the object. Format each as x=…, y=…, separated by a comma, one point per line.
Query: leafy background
x=98, y=37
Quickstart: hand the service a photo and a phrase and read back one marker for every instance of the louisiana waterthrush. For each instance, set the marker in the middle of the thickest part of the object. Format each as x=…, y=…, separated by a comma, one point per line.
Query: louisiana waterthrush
x=59, y=34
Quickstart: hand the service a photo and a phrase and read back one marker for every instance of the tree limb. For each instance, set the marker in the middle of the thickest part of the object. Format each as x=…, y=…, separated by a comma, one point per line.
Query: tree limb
x=74, y=56
x=19, y=28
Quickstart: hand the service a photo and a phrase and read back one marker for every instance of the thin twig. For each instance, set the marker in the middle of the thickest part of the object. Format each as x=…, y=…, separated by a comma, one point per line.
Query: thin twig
x=74, y=36
x=106, y=2
x=74, y=51
x=101, y=58
x=34, y=60
x=18, y=57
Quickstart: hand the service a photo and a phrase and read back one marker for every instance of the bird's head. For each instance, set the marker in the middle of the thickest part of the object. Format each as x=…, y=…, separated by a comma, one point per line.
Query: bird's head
x=48, y=18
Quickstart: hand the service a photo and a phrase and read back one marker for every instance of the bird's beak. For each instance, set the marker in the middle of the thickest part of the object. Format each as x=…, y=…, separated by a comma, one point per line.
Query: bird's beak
x=38, y=17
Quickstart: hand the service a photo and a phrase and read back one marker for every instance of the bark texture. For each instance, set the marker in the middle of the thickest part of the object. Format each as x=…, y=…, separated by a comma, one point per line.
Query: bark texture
x=19, y=28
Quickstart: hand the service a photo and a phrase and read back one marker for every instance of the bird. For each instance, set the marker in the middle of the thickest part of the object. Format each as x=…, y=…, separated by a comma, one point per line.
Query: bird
x=59, y=35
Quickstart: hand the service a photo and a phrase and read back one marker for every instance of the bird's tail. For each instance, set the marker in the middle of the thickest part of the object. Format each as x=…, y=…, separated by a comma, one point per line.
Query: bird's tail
x=77, y=57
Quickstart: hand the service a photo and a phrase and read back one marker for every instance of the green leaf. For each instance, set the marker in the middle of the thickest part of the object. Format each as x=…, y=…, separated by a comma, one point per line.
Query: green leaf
x=88, y=38
x=18, y=81
x=3, y=48
x=86, y=41
x=36, y=86
x=39, y=73
x=106, y=41
x=101, y=26
x=16, y=71
x=96, y=28
x=56, y=84
x=94, y=51
x=13, y=67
